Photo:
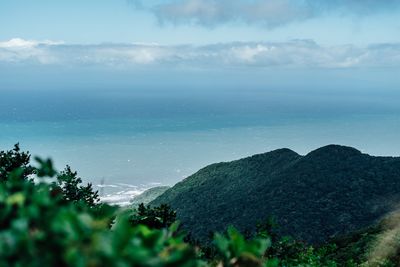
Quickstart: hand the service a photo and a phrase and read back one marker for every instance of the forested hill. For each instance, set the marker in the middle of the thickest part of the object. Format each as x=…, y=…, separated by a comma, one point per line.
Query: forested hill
x=329, y=192
x=148, y=195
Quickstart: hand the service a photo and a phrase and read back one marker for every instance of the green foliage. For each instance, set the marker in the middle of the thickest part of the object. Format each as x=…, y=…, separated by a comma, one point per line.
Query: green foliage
x=68, y=183
x=234, y=250
x=39, y=228
x=311, y=257
x=15, y=159
x=61, y=223
x=329, y=192
x=45, y=169
x=267, y=228
x=73, y=190
x=154, y=217
x=352, y=249
x=45, y=224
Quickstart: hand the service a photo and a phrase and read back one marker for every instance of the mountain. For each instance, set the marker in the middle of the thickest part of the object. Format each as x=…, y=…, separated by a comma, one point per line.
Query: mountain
x=329, y=192
x=149, y=195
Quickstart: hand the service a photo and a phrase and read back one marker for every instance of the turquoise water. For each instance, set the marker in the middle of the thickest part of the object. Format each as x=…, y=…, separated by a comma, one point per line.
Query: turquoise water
x=132, y=141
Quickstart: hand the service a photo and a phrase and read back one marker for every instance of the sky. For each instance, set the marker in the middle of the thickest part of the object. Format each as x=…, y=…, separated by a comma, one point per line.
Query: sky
x=122, y=40
x=201, y=21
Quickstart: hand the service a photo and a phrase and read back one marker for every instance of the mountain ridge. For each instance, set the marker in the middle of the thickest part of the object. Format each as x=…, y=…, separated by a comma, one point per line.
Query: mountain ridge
x=328, y=192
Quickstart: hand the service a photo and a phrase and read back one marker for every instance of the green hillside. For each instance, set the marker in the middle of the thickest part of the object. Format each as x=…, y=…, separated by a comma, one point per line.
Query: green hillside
x=148, y=195
x=327, y=193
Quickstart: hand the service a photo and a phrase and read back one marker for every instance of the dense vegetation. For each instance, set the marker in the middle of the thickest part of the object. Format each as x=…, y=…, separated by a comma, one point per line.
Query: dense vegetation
x=49, y=218
x=155, y=218
x=330, y=192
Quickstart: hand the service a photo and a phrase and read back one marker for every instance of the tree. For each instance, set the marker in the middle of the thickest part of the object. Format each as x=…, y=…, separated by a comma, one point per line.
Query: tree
x=39, y=228
x=15, y=159
x=68, y=183
x=153, y=217
x=73, y=190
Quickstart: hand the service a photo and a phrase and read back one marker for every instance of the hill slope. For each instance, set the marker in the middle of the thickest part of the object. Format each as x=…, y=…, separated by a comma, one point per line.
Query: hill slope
x=331, y=191
x=148, y=195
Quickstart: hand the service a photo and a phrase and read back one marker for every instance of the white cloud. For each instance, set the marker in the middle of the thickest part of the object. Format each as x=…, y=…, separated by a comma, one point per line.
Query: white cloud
x=250, y=53
x=17, y=50
x=293, y=54
x=270, y=13
x=17, y=43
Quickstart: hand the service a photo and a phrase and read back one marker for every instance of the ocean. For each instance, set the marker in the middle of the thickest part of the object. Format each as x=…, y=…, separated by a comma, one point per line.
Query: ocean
x=127, y=140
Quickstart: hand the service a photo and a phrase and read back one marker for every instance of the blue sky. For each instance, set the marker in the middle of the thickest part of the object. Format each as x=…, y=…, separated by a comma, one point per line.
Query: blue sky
x=198, y=36
x=358, y=22
x=201, y=22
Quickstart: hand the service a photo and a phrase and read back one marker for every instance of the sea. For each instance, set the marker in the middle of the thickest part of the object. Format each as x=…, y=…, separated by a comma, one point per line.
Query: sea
x=125, y=141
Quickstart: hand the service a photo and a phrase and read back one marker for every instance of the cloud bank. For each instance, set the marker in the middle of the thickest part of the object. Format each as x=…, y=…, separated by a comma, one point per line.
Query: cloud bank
x=270, y=13
x=292, y=54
